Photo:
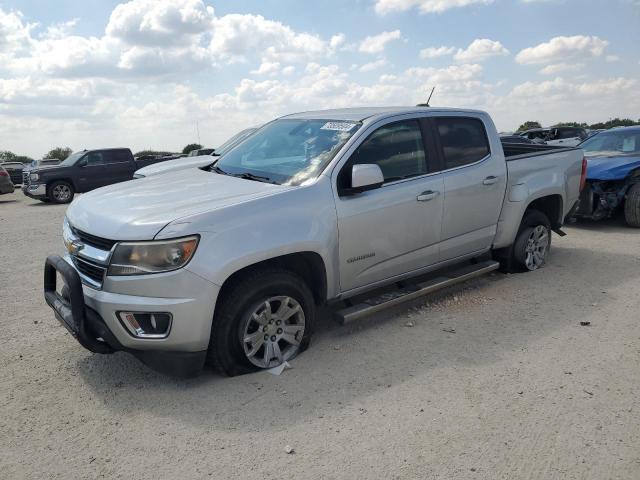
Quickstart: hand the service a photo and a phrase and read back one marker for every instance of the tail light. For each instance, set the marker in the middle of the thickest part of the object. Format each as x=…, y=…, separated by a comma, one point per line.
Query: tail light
x=3, y=173
x=583, y=175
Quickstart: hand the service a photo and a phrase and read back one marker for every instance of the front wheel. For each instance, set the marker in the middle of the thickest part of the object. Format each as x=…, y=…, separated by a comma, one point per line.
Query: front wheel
x=264, y=319
x=632, y=206
x=60, y=192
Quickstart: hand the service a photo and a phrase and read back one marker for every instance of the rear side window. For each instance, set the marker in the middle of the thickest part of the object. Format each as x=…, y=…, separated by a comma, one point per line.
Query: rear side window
x=396, y=148
x=120, y=156
x=464, y=141
x=567, y=133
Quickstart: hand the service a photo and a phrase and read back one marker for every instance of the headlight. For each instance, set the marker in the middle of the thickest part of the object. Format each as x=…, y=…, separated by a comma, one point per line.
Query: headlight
x=138, y=258
x=34, y=177
x=67, y=235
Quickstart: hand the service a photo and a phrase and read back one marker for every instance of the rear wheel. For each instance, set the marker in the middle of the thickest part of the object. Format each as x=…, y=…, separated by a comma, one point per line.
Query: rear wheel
x=264, y=319
x=632, y=206
x=60, y=192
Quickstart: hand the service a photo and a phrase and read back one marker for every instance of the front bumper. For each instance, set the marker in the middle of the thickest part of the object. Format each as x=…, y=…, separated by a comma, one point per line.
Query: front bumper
x=37, y=191
x=90, y=316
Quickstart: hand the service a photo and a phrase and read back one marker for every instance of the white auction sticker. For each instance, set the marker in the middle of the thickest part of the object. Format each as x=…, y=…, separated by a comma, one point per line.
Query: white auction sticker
x=338, y=126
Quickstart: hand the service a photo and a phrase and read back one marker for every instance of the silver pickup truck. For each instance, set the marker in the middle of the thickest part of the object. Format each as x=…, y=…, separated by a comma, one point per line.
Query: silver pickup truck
x=228, y=264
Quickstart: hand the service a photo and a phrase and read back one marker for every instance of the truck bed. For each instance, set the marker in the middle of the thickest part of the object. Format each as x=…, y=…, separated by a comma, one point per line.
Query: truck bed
x=517, y=151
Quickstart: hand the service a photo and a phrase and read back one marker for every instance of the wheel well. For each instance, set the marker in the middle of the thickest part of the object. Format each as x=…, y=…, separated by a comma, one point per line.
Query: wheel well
x=308, y=265
x=551, y=206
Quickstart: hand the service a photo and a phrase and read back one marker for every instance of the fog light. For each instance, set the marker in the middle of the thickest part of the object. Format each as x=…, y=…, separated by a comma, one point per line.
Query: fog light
x=146, y=324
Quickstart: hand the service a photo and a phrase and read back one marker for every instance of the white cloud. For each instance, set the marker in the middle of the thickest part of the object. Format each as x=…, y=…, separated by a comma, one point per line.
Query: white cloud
x=337, y=41
x=375, y=65
x=382, y=7
x=480, y=50
x=267, y=68
x=235, y=37
x=15, y=34
x=435, y=52
x=377, y=43
x=450, y=74
x=559, y=49
x=159, y=22
x=556, y=68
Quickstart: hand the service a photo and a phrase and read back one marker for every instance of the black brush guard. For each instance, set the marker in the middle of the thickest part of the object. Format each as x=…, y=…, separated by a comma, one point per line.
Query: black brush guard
x=83, y=323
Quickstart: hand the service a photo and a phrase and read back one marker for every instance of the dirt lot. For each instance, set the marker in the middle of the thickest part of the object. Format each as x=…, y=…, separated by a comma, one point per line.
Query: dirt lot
x=515, y=388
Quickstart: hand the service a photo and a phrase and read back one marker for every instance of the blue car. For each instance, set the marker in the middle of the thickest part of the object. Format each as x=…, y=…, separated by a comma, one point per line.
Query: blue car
x=613, y=175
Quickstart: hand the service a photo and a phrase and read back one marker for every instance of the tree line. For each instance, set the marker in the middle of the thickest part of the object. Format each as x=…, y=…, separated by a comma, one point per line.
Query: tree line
x=616, y=122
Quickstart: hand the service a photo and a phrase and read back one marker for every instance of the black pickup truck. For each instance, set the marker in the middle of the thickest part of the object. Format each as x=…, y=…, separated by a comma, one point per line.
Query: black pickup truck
x=81, y=172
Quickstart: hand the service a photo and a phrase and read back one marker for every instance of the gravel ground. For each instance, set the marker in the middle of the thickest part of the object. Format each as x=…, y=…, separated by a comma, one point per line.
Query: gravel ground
x=493, y=379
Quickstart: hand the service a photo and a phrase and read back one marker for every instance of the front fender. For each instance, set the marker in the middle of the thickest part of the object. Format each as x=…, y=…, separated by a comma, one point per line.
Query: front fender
x=298, y=220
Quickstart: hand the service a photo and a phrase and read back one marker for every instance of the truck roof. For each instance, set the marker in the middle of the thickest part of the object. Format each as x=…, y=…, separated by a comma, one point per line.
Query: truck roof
x=361, y=113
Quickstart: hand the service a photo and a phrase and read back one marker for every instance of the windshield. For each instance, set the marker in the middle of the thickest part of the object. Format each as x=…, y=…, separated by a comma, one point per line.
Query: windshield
x=71, y=159
x=613, y=143
x=287, y=151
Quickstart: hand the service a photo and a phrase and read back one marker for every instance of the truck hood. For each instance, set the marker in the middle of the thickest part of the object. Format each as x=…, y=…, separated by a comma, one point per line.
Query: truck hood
x=611, y=167
x=45, y=168
x=139, y=209
x=177, y=164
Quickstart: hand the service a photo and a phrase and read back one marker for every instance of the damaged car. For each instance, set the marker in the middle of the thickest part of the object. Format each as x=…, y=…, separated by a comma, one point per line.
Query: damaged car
x=613, y=175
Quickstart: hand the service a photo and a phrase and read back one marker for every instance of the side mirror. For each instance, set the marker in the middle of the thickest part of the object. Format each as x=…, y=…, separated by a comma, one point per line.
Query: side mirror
x=82, y=162
x=364, y=177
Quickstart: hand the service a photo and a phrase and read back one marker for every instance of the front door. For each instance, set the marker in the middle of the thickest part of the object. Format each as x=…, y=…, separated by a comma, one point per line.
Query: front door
x=92, y=172
x=394, y=229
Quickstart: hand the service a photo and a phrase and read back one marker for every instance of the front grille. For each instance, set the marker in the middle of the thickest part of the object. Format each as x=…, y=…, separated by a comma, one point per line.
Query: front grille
x=90, y=270
x=97, y=242
x=25, y=178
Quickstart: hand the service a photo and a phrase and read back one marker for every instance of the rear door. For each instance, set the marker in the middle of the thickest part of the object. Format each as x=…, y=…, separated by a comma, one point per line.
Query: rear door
x=119, y=166
x=474, y=185
x=395, y=229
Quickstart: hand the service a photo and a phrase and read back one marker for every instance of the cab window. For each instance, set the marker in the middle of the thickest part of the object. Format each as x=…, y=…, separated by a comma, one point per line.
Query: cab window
x=464, y=141
x=396, y=148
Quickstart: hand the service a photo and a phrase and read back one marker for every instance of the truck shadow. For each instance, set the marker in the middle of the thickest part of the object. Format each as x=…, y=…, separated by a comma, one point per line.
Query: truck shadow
x=484, y=321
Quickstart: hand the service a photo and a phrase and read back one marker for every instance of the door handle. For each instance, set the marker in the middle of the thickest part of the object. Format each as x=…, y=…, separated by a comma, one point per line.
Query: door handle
x=490, y=180
x=426, y=196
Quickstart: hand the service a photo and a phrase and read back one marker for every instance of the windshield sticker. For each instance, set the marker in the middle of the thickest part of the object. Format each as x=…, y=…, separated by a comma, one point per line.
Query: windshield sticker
x=338, y=126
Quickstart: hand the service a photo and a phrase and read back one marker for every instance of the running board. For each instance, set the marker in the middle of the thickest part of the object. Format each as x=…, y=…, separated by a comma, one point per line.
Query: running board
x=390, y=299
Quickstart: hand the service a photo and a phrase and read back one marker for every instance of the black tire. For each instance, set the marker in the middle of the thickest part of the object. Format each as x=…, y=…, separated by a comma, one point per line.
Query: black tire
x=226, y=352
x=55, y=197
x=632, y=206
x=513, y=259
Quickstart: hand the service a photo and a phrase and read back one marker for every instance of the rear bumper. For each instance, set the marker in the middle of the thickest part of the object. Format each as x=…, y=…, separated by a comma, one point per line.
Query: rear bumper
x=6, y=188
x=83, y=319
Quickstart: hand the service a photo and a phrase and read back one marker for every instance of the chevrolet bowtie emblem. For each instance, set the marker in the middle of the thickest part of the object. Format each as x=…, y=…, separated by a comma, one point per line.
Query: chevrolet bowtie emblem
x=74, y=247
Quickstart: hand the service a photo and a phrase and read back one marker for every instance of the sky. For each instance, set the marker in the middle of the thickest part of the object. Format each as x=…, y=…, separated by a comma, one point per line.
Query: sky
x=164, y=73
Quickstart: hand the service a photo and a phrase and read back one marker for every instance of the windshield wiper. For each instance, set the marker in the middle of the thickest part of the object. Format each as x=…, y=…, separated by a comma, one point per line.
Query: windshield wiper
x=251, y=176
x=215, y=168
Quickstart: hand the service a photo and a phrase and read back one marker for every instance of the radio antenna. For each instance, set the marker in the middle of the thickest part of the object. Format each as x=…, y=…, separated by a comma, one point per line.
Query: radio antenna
x=428, y=100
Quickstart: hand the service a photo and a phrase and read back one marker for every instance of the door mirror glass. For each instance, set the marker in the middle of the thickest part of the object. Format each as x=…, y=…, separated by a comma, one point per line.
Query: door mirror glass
x=82, y=162
x=365, y=177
